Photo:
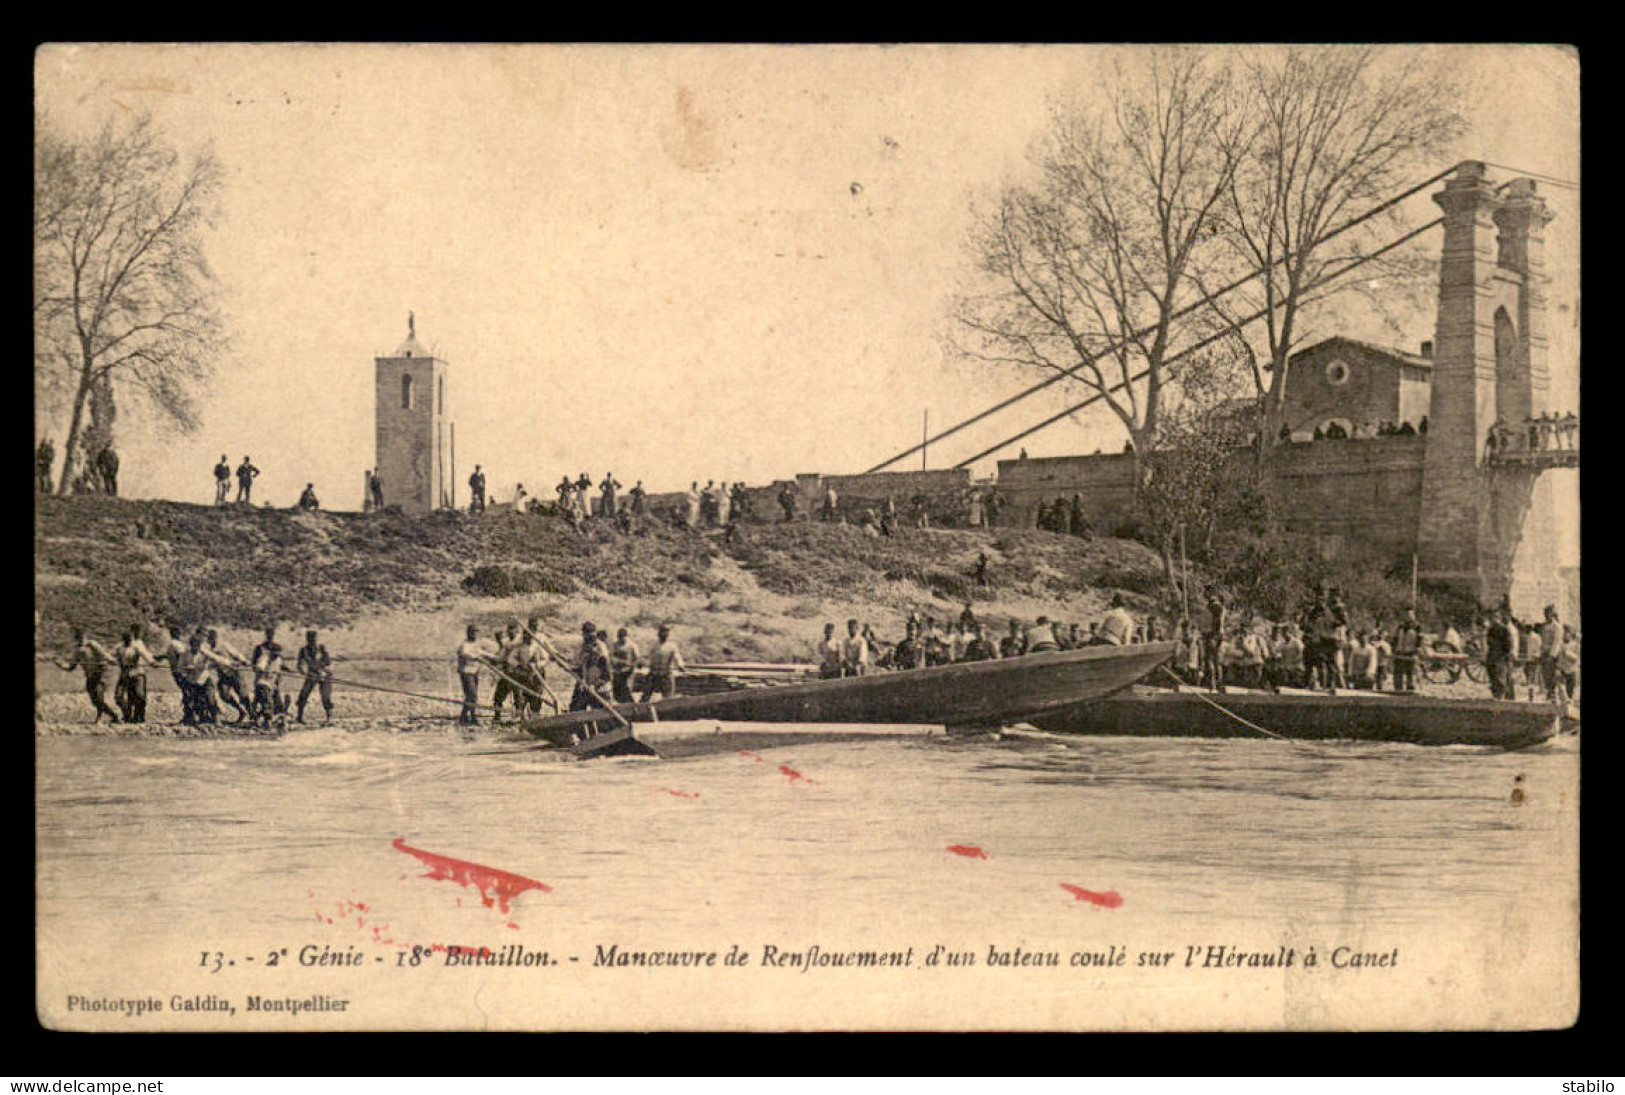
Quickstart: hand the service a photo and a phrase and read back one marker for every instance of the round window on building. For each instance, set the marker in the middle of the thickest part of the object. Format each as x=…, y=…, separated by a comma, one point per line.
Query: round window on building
x=1337, y=373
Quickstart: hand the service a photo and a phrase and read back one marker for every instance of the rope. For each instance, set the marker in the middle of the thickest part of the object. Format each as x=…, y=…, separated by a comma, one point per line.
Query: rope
x=1214, y=703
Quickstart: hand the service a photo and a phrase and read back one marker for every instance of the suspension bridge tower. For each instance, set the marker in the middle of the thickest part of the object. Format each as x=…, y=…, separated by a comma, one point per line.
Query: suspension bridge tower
x=1489, y=517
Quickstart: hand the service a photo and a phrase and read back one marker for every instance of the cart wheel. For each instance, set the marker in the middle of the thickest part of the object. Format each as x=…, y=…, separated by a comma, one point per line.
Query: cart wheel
x=1477, y=673
x=1438, y=672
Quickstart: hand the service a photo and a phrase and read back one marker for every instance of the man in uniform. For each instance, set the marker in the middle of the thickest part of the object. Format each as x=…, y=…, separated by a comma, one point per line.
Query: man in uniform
x=501, y=665
x=316, y=665
x=470, y=654
x=1212, y=640
x=607, y=489
x=267, y=664
x=307, y=498
x=1407, y=645
x=829, y=655
x=592, y=669
x=623, y=659
x=1551, y=640
x=832, y=502
x=222, y=480
x=93, y=658
x=787, y=502
x=665, y=662
x=1499, y=647
x=639, y=498
x=230, y=683
x=44, y=457
x=376, y=488
x=1014, y=644
x=856, y=658
x=910, y=653
x=107, y=469
x=246, y=474
x=476, y=491
x=130, y=693
x=527, y=664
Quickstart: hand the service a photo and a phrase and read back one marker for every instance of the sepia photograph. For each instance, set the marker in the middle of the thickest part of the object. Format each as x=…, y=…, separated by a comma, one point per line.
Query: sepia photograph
x=806, y=537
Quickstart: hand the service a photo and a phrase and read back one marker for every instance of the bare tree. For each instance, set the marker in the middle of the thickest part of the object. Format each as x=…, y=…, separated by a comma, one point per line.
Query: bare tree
x=1092, y=267
x=1339, y=131
x=123, y=297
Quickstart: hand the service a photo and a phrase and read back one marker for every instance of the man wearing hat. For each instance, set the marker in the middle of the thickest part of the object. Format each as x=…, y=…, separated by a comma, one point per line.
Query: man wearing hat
x=316, y=665
x=592, y=669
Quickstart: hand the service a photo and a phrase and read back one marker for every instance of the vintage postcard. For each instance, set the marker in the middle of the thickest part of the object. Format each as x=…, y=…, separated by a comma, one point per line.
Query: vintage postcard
x=997, y=537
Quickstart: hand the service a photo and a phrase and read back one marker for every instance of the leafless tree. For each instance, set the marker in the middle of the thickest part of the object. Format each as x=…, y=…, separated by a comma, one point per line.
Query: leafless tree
x=1337, y=132
x=1089, y=268
x=123, y=295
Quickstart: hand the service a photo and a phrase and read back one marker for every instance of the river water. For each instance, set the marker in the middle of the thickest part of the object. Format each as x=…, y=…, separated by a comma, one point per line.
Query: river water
x=196, y=872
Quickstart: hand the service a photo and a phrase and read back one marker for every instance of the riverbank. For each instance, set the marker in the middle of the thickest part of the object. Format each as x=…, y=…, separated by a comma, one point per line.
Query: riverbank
x=389, y=585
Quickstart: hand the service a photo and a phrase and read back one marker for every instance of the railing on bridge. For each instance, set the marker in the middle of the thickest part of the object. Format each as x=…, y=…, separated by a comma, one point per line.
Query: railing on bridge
x=1543, y=441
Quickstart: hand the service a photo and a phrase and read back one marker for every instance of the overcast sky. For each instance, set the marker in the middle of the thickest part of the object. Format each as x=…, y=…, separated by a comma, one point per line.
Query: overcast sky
x=673, y=263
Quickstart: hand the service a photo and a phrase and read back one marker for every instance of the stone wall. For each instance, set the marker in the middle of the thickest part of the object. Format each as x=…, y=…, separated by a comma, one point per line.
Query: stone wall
x=1355, y=496
x=1105, y=482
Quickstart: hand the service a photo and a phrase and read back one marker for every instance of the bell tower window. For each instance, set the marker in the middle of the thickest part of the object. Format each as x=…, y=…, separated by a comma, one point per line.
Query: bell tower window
x=406, y=391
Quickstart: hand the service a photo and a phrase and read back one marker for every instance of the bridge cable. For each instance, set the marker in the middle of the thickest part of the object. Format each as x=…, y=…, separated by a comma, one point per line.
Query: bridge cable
x=1186, y=310
x=1187, y=351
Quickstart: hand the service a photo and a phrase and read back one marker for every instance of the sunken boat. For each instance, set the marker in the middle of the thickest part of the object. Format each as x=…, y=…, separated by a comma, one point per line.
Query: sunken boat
x=1312, y=716
x=962, y=696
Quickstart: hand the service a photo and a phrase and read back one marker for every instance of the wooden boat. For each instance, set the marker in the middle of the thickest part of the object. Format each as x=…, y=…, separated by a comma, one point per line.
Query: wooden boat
x=966, y=694
x=1310, y=716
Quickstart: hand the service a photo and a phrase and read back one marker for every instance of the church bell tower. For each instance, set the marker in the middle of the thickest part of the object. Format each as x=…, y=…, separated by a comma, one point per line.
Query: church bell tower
x=412, y=455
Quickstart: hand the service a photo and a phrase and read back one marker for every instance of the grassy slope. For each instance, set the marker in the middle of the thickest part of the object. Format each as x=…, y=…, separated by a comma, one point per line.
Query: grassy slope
x=393, y=584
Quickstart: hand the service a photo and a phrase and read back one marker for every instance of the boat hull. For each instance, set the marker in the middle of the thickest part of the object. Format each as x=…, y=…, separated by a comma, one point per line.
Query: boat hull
x=1417, y=720
x=989, y=693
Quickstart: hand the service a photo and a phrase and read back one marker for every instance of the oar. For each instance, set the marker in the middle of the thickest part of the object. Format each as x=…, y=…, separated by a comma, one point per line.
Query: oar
x=547, y=648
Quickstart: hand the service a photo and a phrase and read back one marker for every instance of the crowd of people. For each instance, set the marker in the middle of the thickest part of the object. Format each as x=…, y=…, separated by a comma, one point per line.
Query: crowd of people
x=928, y=642
x=209, y=673
x=1336, y=431
x=1321, y=649
x=600, y=671
x=1539, y=433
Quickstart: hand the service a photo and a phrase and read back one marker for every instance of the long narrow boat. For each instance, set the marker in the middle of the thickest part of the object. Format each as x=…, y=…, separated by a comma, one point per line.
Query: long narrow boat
x=1418, y=720
x=967, y=694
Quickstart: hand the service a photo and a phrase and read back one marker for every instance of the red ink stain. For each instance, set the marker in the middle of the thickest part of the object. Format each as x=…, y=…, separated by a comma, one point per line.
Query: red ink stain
x=681, y=794
x=513, y=926
x=969, y=851
x=362, y=907
x=329, y=919
x=1108, y=900
x=502, y=885
x=310, y=893
x=748, y=755
x=794, y=775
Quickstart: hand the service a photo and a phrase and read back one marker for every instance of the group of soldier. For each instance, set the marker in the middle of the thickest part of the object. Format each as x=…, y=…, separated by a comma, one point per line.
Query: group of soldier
x=1064, y=517
x=601, y=671
x=99, y=475
x=927, y=643
x=246, y=474
x=1322, y=650
x=1336, y=431
x=1540, y=433
x=209, y=674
